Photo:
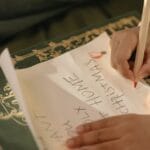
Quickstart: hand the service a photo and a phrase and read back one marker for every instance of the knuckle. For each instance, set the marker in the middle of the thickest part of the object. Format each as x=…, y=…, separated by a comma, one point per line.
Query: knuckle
x=87, y=127
x=101, y=136
x=78, y=141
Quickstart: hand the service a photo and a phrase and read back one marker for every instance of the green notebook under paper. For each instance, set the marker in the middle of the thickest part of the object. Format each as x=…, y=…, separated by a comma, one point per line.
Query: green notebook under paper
x=33, y=128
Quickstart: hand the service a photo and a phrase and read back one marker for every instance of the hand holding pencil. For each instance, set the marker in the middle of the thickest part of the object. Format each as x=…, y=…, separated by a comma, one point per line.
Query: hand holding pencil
x=123, y=45
x=133, y=41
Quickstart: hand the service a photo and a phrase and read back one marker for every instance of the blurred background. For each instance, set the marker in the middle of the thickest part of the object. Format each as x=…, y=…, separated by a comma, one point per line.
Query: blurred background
x=24, y=23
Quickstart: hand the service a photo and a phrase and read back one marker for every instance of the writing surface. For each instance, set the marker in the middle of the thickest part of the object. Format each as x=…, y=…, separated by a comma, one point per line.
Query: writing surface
x=73, y=89
x=56, y=113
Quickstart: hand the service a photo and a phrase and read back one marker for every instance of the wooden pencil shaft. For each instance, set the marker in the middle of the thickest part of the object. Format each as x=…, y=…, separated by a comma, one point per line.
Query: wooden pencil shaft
x=143, y=36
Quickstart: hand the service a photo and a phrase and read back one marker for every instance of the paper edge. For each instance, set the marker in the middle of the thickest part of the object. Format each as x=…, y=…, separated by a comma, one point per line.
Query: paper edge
x=5, y=63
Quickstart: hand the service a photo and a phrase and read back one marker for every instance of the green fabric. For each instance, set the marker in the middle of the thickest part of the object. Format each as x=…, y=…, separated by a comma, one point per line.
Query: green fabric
x=53, y=24
x=14, y=132
x=15, y=137
x=15, y=21
x=18, y=15
x=18, y=8
x=10, y=27
x=25, y=29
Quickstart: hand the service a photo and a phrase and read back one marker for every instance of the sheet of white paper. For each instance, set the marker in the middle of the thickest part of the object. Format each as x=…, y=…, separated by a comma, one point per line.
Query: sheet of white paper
x=73, y=89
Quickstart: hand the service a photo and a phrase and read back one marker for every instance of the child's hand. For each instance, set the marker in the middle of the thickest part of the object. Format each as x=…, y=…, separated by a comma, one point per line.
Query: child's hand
x=128, y=132
x=145, y=70
x=123, y=44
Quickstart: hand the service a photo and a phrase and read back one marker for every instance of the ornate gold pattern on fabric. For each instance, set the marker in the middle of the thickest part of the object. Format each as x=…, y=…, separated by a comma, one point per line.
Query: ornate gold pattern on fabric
x=9, y=108
x=78, y=40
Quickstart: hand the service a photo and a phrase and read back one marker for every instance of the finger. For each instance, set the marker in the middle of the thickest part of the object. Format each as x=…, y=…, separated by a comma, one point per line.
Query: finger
x=100, y=124
x=127, y=45
x=114, y=41
x=124, y=69
x=95, y=137
x=115, y=145
x=145, y=72
x=123, y=52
